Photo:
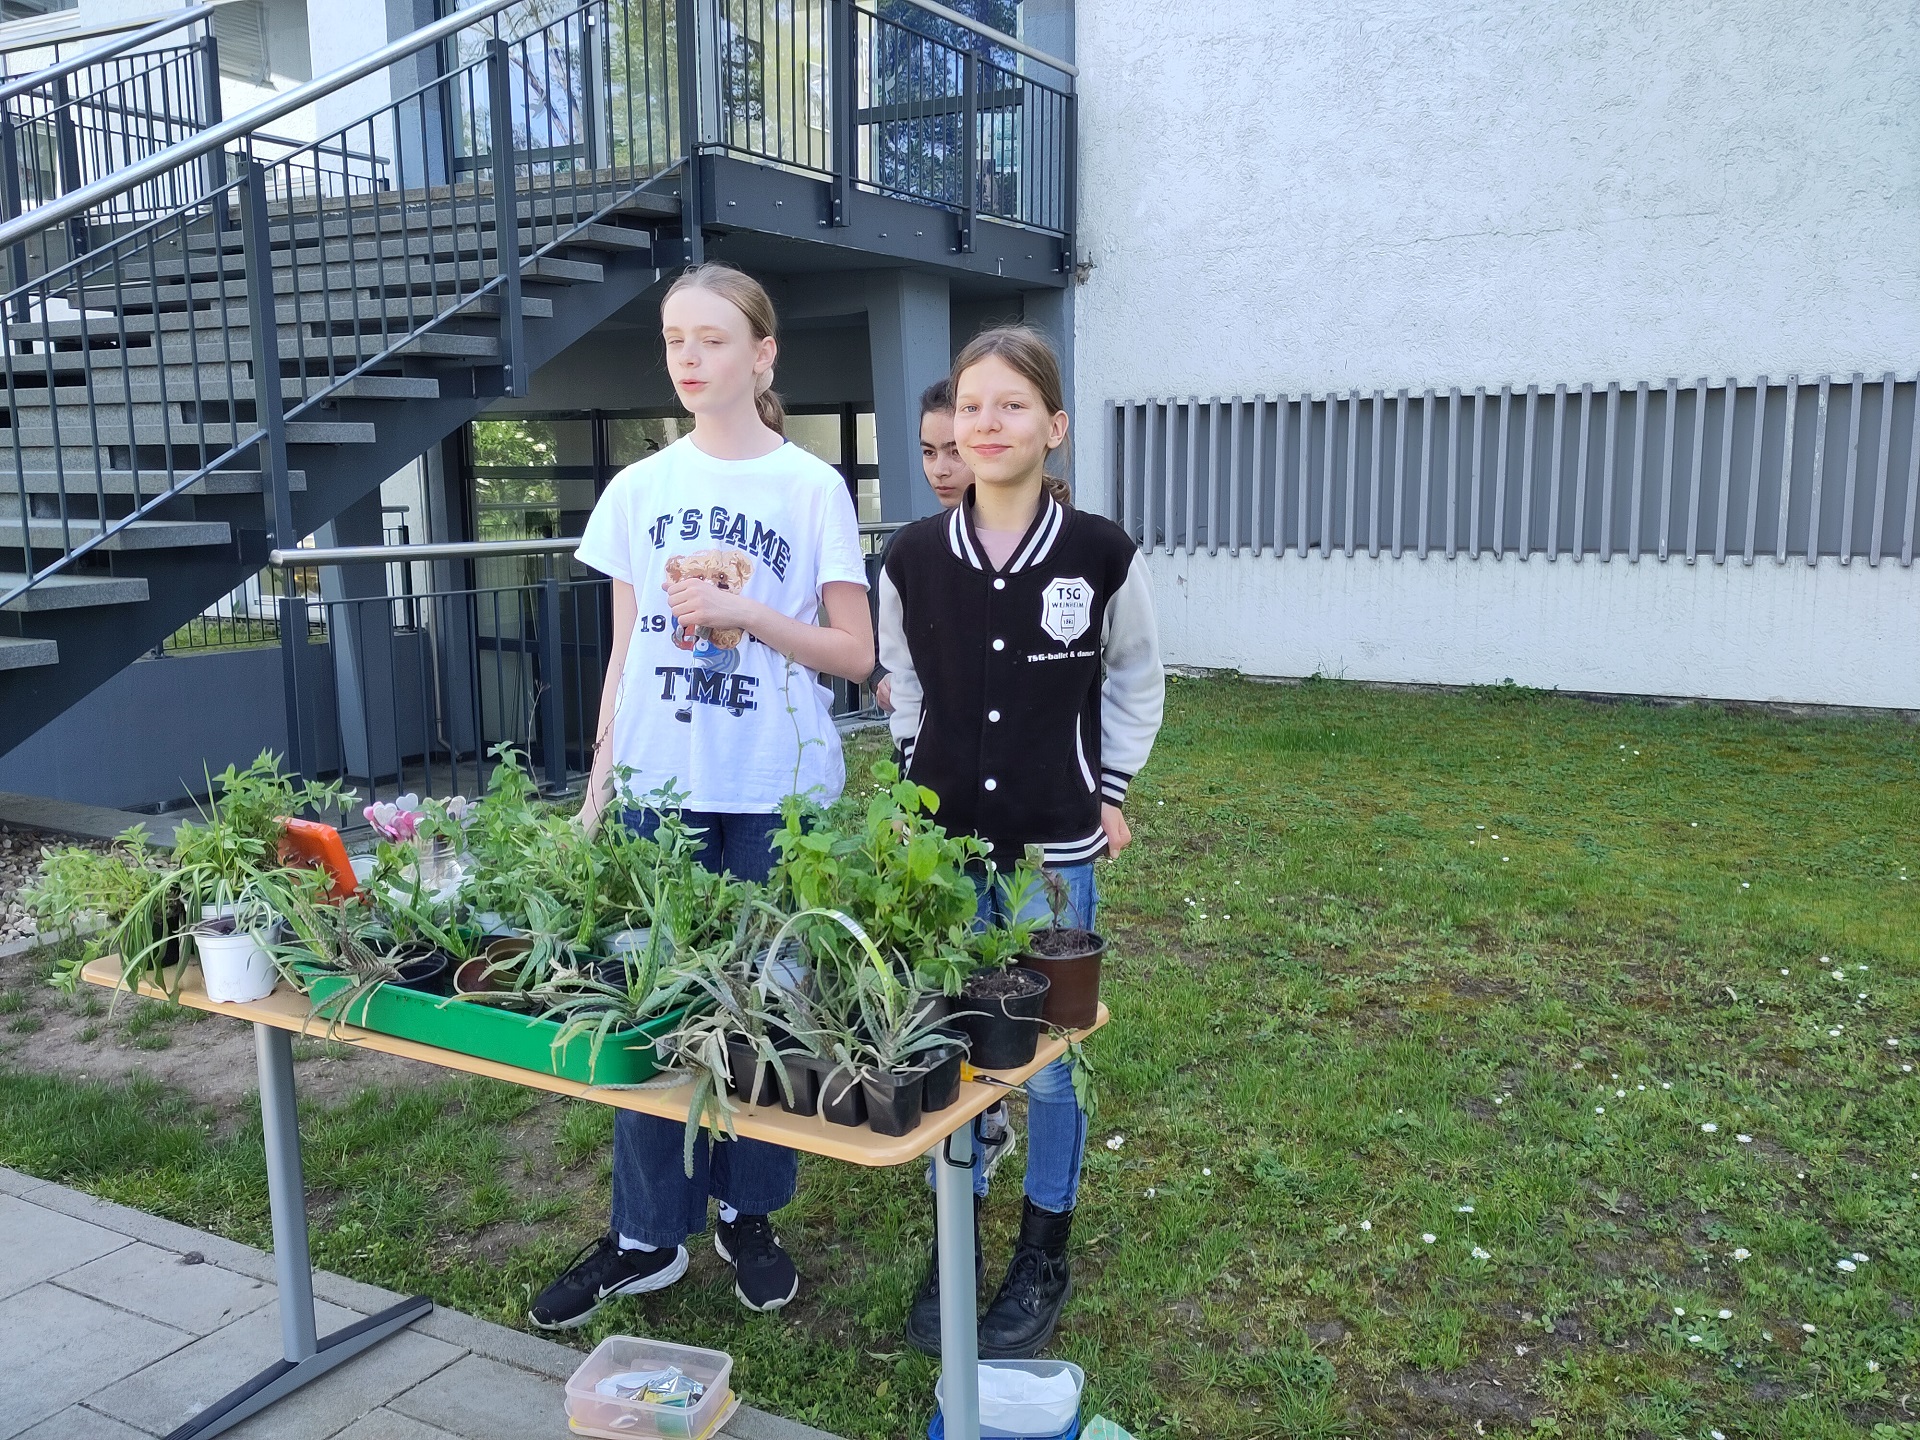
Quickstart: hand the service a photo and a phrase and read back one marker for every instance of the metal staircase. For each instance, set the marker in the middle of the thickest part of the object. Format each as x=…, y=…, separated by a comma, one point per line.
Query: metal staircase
x=387, y=282
x=215, y=339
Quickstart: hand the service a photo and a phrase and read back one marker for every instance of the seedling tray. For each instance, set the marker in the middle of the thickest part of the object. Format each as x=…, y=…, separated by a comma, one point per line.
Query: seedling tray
x=469, y=1027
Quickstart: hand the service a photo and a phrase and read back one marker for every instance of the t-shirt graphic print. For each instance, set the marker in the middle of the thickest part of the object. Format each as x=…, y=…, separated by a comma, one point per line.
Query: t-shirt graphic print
x=709, y=711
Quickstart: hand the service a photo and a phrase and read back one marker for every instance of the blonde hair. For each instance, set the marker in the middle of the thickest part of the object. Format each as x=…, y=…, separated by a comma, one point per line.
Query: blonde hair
x=750, y=298
x=1030, y=355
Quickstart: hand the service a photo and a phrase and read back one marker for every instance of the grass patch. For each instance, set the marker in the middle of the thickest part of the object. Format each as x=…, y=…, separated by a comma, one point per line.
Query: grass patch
x=1480, y=967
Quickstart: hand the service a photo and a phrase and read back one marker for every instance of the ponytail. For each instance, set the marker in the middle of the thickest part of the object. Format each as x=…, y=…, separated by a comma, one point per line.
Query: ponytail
x=1057, y=487
x=773, y=414
x=750, y=298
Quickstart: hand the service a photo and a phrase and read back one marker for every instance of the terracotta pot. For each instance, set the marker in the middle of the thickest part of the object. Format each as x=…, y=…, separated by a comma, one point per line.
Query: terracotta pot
x=1073, y=994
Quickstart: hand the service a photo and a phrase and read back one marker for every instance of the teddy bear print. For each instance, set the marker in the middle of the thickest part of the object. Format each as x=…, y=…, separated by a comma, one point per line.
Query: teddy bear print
x=727, y=569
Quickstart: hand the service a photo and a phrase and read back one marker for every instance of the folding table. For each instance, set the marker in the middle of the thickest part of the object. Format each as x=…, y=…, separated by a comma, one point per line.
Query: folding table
x=306, y=1355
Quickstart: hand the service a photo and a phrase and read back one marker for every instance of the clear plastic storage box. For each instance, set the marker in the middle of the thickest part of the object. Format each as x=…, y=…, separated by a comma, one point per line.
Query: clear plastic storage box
x=1024, y=1422
x=591, y=1413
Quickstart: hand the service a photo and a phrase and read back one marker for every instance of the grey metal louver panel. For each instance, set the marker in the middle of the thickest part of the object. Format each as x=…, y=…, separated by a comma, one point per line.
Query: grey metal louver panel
x=1792, y=470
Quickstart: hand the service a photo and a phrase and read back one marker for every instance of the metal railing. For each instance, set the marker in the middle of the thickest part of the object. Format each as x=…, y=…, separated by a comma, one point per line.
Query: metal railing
x=81, y=119
x=908, y=100
x=419, y=707
x=142, y=352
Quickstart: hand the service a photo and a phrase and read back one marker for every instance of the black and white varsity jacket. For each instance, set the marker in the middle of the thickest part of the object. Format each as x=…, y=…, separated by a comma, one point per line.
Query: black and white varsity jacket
x=1022, y=697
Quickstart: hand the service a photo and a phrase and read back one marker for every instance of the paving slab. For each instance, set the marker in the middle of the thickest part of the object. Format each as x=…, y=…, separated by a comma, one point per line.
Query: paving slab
x=75, y=1345
x=384, y=1424
x=341, y=1397
x=481, y=1399
x=164, y=1286
x=41, y=1243
x=161, y=1395
x=76, y=1422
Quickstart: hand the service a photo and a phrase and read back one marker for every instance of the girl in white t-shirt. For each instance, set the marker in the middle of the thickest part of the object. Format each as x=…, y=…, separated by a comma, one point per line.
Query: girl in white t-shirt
x=737, y=580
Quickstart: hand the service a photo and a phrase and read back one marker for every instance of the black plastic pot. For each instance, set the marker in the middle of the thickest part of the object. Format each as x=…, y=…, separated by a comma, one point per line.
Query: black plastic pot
x=1003, y=1031
x=940, y=1085
x=804, y=1074
x=842, y=1100
x=750, y=1078
x=422, y=967
x=893, y=1101
x=606, y=970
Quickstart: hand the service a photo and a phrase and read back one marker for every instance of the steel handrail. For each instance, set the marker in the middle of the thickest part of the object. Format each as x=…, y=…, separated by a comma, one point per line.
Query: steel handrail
x=998, y=37
x=300, y=556
x=35, y=79
x=215, y=137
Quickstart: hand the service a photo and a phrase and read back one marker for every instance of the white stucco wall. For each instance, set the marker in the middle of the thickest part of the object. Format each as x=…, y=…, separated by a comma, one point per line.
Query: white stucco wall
x=1286, y=195
x=1826, y=635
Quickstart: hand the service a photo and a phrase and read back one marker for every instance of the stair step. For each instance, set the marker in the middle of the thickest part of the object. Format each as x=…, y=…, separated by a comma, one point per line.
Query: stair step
x=111, y=390
x=53, y=534
x=333, y=309
x=442, y=245
x=19, y=653
x=330, y=432
x=111, y=428
x=178, y=352
x=420, y=280
x=144, y=483
x=73, y=592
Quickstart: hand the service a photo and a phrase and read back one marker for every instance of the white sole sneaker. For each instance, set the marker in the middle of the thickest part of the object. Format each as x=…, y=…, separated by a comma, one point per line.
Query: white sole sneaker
x=720, y=1249
x=640, y=1285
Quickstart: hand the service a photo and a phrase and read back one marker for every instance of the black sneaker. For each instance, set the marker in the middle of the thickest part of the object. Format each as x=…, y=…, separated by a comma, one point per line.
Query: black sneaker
x=763, y=1275
x=600, y=1271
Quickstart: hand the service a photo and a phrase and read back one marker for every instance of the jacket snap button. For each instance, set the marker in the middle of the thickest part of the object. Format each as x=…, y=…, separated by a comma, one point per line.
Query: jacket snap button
x=999, y=644
x=999, y=584
x=994, y=716
x=993, y=784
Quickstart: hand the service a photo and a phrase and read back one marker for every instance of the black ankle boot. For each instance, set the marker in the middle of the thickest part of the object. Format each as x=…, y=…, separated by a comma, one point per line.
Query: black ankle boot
x=1021, y=1318
x=923, y=1316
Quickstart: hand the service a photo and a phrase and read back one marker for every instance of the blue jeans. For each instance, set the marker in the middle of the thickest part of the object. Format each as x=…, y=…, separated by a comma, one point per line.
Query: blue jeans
x=1056, y=1125
x=653, y=1200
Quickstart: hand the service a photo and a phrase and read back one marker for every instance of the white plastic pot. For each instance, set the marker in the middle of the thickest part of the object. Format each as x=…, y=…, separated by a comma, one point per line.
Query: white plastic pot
x=235, y=967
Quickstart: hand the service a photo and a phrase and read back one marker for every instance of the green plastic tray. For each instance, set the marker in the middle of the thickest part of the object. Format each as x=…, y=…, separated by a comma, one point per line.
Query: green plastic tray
x=626, y=1057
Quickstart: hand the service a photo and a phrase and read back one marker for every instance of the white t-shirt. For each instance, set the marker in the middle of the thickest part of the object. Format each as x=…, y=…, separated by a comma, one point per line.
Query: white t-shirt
x=708, y=712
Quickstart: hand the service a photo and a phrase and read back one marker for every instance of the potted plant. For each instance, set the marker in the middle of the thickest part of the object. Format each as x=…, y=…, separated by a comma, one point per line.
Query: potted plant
x=218, y=883
x=900, y=1039
x=1069, y=956
x=901, y=878
x=1004, y=1003
x=88, y=894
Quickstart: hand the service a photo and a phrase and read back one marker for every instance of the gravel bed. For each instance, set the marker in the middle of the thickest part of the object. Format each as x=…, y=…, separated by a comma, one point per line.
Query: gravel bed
x=19, y=864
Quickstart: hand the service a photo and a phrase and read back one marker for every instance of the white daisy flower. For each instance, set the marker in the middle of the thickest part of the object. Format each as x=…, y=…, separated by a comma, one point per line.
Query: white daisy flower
x=1427, y=1238
x=1709, y=1128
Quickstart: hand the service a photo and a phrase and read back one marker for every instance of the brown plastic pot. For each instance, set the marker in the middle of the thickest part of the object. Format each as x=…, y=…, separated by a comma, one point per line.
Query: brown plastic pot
x=1073, y=989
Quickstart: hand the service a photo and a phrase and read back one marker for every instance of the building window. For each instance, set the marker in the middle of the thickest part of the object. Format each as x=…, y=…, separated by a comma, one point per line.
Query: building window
x=32, y=9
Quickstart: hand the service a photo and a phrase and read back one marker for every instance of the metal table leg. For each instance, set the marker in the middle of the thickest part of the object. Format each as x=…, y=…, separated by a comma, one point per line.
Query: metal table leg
x=308, y=1355
x=959, y=1322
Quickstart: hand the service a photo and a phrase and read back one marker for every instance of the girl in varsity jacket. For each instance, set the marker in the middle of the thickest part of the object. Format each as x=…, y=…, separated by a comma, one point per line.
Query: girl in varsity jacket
x=1027, y=689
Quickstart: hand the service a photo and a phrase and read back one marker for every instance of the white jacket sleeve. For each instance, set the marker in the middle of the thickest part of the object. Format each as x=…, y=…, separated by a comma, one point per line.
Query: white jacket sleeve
x=1133, y=696
x=897, y=660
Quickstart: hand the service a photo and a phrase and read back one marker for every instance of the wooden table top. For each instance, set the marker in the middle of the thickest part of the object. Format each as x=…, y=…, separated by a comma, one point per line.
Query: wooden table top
x=287, y=1009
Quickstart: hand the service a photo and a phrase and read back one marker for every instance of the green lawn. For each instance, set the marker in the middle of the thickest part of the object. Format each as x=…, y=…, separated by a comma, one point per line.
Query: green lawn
x=1481, y=1065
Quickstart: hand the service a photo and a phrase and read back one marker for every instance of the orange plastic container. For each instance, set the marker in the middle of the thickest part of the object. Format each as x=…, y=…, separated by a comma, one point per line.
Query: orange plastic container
x=309, y=843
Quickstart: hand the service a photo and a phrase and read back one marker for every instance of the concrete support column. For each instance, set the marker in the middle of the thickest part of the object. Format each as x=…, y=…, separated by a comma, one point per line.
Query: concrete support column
x=361, y=633
x=909, y=333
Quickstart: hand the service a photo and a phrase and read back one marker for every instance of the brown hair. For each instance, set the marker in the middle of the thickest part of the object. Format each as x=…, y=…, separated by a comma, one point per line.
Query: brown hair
x=750, y=298
x=937, y=398
x=1030, y=356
